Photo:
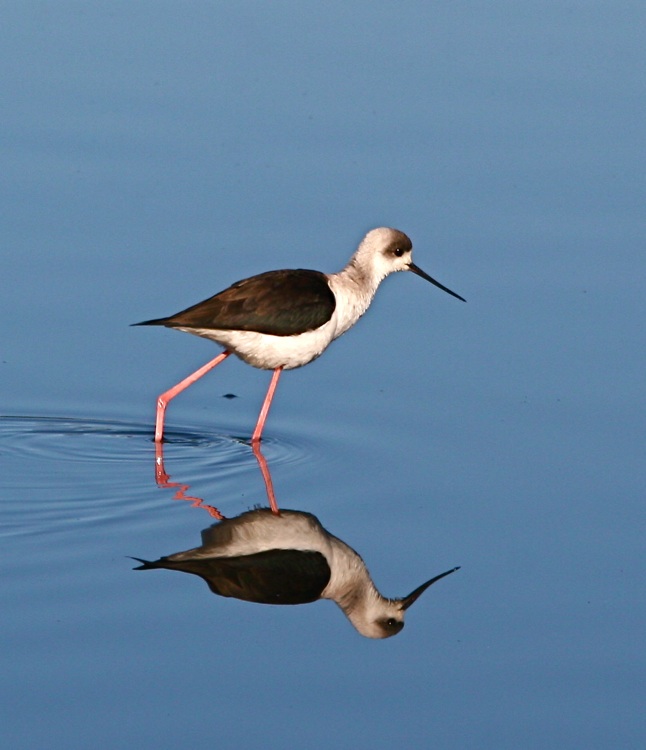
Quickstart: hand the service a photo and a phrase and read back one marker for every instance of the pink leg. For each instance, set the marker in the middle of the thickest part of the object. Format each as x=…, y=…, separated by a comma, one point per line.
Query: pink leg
x=262, y=417
x=264, y=469
x=164, y=399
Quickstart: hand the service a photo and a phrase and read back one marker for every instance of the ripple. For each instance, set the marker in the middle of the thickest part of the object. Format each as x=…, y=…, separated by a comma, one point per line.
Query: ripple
x=78, y=439
x=69, y=439
x=73, y=469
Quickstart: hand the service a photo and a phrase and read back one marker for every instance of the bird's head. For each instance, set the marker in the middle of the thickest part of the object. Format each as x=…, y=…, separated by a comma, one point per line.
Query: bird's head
x=378, y=617
x=384, y=251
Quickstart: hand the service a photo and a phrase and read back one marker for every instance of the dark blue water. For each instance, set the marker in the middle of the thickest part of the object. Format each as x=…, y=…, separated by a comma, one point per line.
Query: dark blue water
x=152, y=154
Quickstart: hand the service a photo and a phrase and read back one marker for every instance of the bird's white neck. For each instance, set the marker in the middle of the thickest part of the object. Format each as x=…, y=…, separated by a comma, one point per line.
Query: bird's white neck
x=351, y=586
x=354, y=288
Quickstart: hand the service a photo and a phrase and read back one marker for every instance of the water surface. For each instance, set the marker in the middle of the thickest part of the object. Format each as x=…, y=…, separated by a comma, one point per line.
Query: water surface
x=155, y=153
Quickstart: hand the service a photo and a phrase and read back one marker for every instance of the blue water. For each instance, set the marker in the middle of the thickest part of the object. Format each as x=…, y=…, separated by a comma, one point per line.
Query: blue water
x=153, y=153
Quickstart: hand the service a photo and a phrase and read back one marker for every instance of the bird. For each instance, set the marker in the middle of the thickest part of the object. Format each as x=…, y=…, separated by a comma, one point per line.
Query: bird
x=280, y=320
x=290, y=558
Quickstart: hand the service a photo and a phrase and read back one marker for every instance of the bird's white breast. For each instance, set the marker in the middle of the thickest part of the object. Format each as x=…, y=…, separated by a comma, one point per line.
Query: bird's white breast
x=268, y=352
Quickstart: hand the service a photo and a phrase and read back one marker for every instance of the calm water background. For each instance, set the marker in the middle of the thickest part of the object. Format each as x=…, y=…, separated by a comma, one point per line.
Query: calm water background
x=152, y=153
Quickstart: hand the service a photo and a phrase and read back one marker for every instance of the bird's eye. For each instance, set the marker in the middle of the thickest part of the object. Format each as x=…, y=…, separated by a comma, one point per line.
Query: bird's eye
x=398, y=251
x=391, y=622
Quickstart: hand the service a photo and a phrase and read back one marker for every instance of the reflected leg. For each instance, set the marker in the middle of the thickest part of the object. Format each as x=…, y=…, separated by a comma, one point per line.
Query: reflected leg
x=269, y=485
x=163, y=481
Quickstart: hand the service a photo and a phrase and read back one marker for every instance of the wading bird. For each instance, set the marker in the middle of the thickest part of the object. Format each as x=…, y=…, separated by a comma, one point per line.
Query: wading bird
x=280, y=320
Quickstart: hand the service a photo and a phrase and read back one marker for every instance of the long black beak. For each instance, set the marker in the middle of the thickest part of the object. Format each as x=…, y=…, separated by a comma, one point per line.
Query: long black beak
x=416, y=269
x=414, y=595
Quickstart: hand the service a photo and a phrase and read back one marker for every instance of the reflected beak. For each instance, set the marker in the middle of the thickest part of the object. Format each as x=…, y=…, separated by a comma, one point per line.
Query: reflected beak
x=414, y=595
x=416, y=269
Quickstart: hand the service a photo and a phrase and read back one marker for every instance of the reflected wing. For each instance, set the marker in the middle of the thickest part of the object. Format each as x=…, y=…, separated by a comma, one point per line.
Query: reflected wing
x=282, y=303
x=277, y=576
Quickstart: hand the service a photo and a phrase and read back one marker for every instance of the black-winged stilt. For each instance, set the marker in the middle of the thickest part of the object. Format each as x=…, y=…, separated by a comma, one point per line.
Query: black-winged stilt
x=280, y=320
x=290, y=559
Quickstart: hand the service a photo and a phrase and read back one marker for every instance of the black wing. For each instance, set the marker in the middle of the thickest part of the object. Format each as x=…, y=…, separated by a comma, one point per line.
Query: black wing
x=281, y=303
x=276, y=576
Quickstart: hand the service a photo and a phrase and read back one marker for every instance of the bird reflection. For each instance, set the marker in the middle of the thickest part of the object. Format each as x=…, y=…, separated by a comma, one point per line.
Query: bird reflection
x=289, y=558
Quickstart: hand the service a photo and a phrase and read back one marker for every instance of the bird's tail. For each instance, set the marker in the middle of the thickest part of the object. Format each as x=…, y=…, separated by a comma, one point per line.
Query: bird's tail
x=155, y=322
x=145, y=564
